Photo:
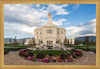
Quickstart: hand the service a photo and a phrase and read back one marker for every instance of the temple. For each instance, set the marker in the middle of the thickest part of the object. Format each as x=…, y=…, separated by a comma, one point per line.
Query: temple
x=49, y=34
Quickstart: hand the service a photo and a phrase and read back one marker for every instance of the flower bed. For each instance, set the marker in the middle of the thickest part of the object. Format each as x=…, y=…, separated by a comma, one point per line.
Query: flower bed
x=50, y=56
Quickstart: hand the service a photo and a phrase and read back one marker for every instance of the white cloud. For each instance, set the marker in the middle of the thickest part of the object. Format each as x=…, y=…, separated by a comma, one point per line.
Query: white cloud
x=27, y=29
x=58, y=8
x=24, y=14
x=37, y=5
x=87, y=35
x=24, y=18
x=18, y=28
x=87, y=29
x=59, y=22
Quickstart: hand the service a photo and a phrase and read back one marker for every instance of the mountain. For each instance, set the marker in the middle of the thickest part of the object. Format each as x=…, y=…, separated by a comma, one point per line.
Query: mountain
x=83, y=38
x=6, y=40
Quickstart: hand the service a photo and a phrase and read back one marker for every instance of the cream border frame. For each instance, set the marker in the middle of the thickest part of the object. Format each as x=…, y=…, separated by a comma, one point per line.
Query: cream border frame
x=97, y=2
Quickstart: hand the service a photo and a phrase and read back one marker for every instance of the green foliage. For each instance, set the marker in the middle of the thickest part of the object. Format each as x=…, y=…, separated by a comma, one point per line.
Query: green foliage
x=76, y=42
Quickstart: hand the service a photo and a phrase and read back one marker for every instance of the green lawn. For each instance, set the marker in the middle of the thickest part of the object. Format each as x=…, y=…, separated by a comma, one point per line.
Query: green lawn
x=17, y=46
x=54, y=52
x=92, y=47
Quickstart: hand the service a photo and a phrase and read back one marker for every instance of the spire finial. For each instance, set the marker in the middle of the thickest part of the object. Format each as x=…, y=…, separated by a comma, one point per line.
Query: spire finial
x=49, y=18
x=49, y=14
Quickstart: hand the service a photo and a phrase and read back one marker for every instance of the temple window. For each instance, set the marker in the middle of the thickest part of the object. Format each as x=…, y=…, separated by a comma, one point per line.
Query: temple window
x=58, y=32
x=49, y=31
x=62, y=32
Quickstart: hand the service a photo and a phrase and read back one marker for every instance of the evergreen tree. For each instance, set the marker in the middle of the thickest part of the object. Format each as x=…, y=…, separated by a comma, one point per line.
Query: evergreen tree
x=91, y=42
x=68, y=42
x=86, y=41
x=33, y=41
x=76, y=41
x=23, y=43
x=65, y=41
x=9, y=41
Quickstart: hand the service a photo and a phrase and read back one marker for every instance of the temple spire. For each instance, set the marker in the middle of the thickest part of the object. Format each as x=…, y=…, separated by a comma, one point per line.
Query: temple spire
x=49, y=18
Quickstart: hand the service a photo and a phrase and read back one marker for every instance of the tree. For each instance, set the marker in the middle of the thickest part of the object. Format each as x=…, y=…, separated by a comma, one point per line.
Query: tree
x=91, y=42
x=76, y=41
x=86, y=41
x=33, y=41
x=9, y=41
x=65, y=41
x=68, y=42
x=15, y=42
x=23, y=43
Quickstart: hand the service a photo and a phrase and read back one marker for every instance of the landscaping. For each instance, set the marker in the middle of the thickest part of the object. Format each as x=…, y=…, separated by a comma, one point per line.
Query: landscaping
x=9, y=47
x=91, y=48
x=50, y=56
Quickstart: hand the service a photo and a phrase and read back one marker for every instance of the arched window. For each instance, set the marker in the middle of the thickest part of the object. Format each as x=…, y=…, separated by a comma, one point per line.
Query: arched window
x=62, y=32
x=49, y=31
x=58, y=32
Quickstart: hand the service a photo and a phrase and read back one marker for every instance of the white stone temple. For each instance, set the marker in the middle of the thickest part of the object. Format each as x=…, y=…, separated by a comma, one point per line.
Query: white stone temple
x=49, y=34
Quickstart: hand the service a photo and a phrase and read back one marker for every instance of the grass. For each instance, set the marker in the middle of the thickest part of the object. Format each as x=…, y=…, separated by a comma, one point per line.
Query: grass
x=54, y=52
x=9, y=47
x=92, y=47
x=17, y=46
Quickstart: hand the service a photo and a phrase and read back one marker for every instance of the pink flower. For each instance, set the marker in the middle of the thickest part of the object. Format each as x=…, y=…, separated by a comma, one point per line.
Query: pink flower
x=45, y=60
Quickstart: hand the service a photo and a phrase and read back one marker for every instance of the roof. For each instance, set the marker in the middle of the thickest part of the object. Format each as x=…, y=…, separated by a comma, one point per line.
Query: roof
x=50, y=24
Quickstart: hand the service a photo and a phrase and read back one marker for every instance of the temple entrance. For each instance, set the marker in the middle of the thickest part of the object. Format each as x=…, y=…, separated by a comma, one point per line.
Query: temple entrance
x=49, y=42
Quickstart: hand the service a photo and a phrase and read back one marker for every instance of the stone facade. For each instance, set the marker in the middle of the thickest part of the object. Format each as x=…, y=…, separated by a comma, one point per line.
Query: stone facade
x=71, y=41
x=49, y=34
x=28, y=41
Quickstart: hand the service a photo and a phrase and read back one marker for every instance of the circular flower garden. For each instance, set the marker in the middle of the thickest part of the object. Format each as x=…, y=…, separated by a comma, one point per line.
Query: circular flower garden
x=50, y=56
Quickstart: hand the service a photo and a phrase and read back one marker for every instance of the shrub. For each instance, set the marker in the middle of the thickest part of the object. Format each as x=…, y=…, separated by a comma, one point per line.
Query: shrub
x=77, y=53
x=6, y=51
x=74, y=56
x=23, y=53
x=40, y=56
x=62, y=56
x=50, y=54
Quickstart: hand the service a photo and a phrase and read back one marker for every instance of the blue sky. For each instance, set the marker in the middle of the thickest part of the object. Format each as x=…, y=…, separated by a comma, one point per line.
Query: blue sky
x=22, y=19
